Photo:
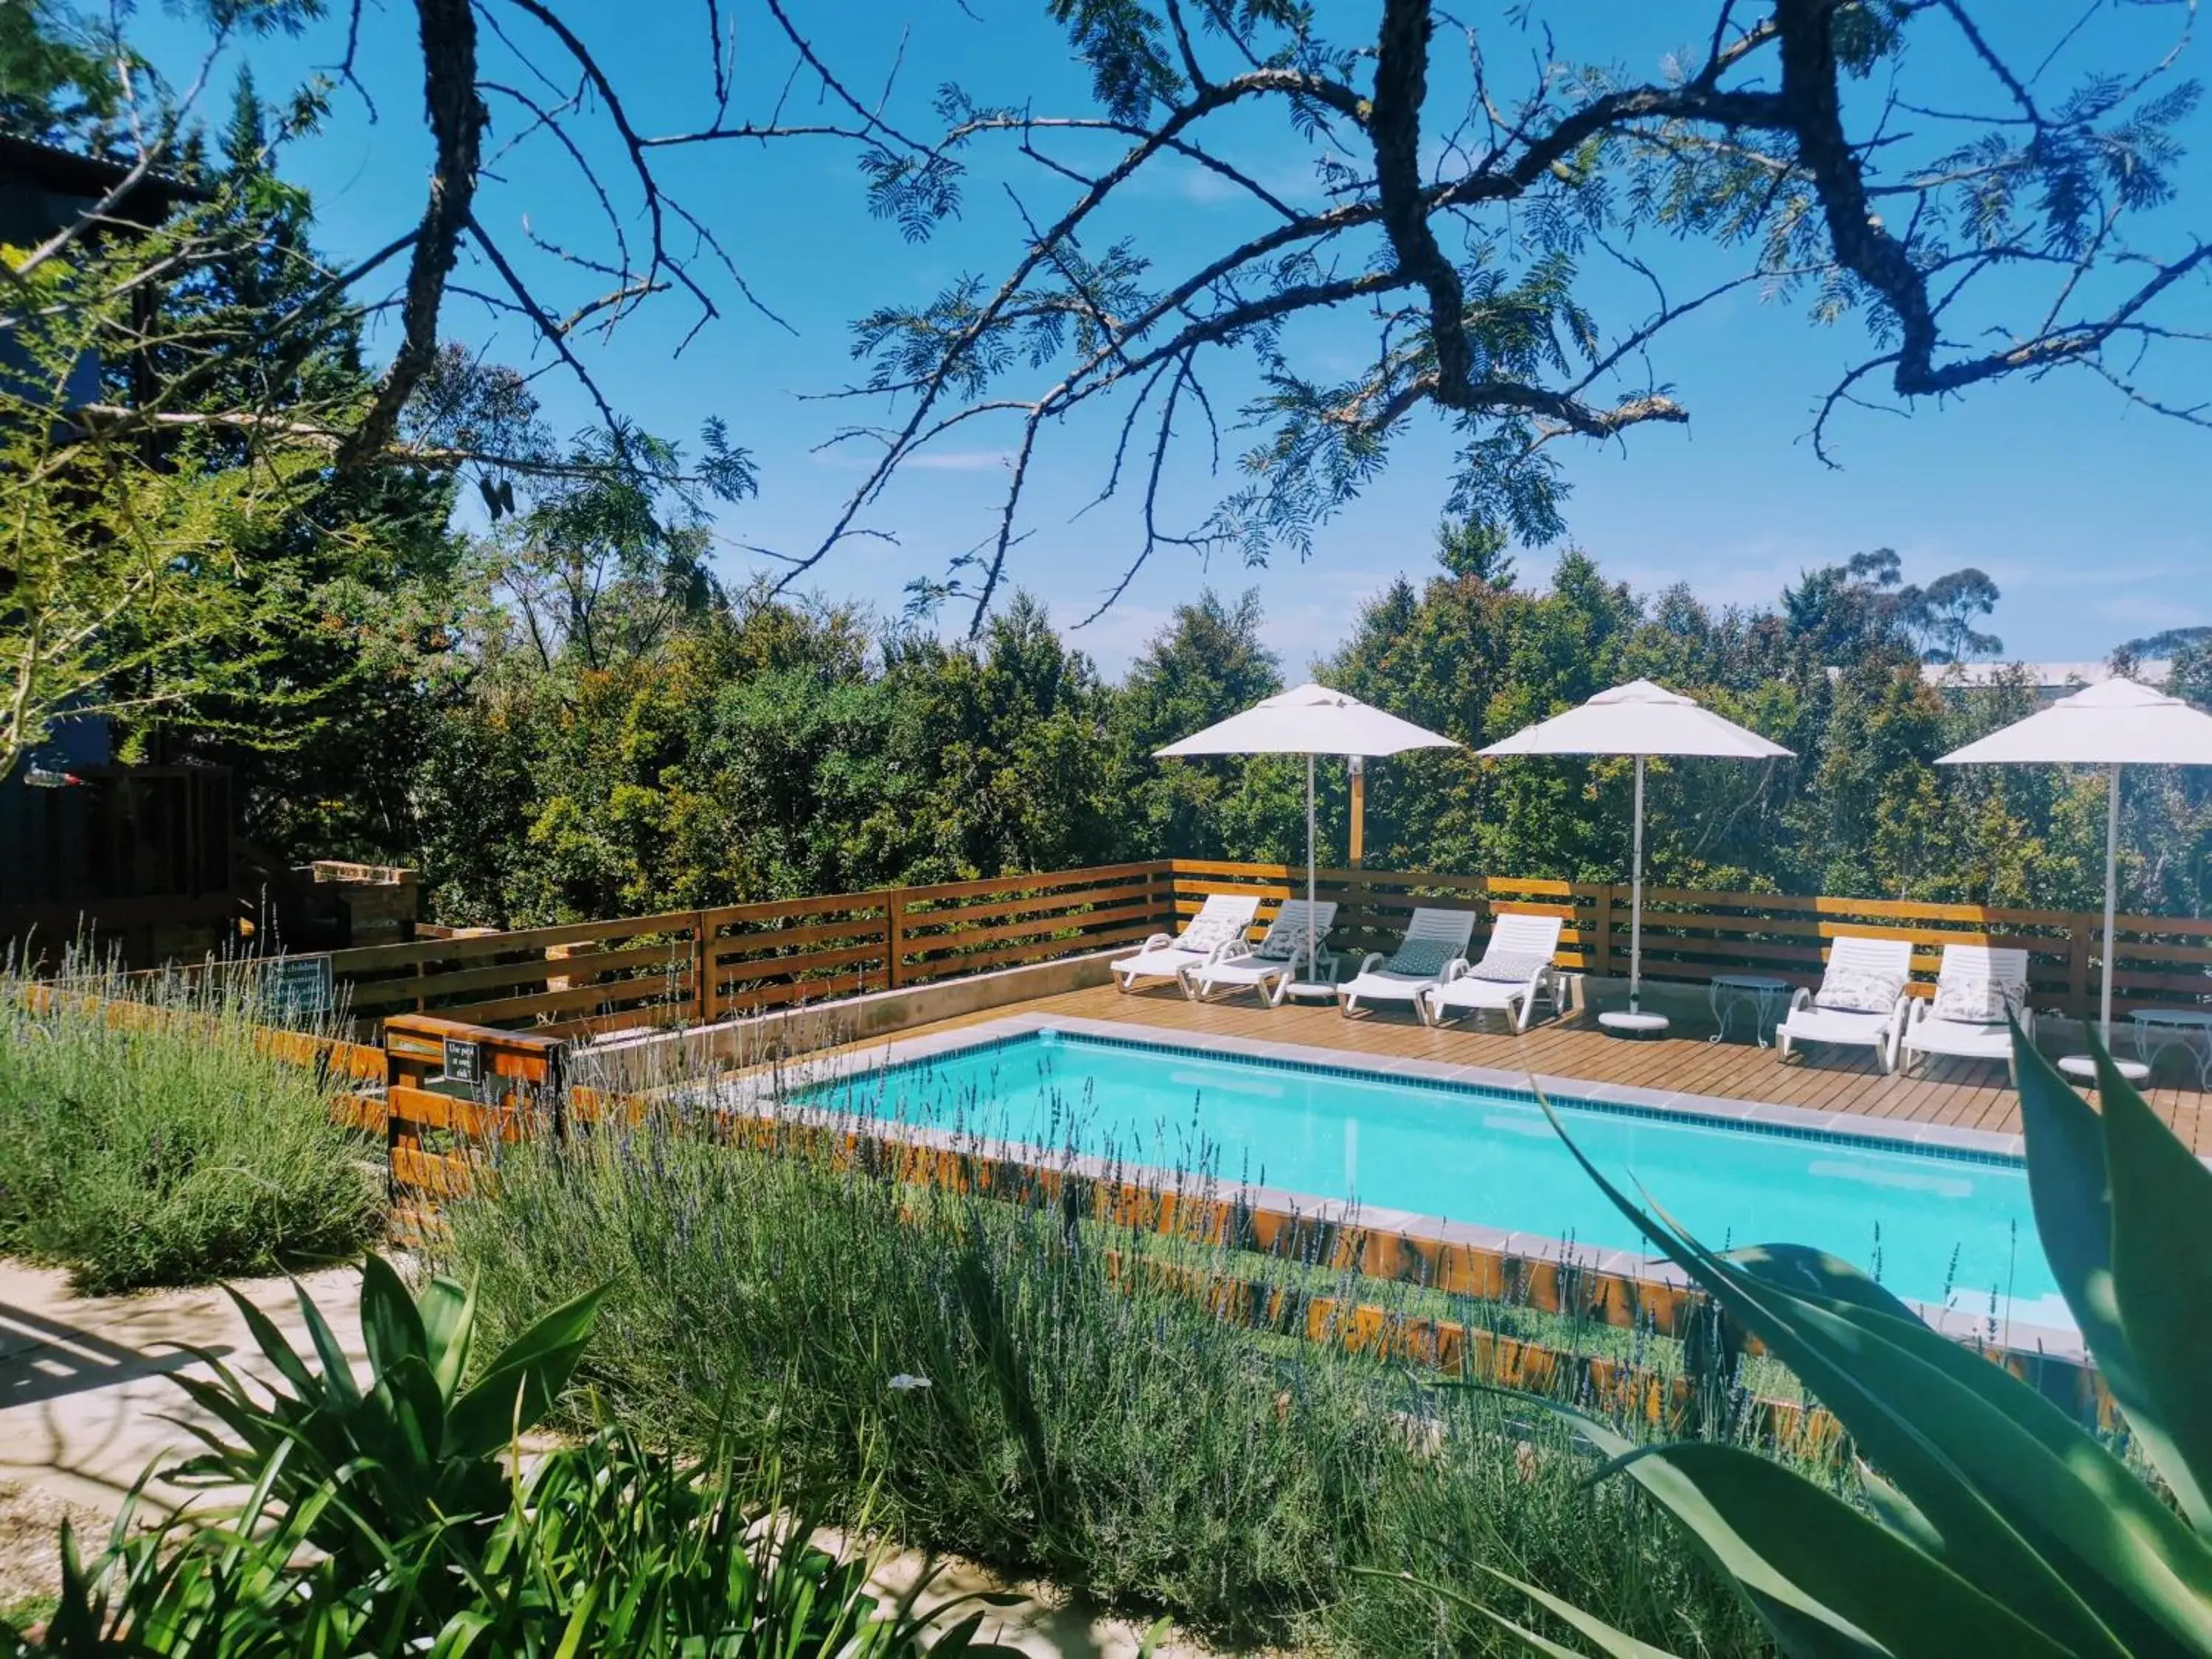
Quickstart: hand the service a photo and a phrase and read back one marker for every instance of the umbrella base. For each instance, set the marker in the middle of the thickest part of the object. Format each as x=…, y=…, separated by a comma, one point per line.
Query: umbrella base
x=1628, y=1021
x=2083, y=1069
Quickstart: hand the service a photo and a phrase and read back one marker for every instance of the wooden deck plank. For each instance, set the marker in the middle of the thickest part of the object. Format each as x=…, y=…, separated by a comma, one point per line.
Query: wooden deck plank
x=1960, y=1093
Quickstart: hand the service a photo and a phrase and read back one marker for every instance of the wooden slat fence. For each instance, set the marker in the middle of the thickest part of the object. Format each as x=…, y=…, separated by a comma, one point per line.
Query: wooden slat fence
x=695, y=967
x=1691, y=934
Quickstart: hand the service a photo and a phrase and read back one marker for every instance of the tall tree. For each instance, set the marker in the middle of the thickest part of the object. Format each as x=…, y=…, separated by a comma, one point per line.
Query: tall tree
x=1208, y=663
x=1467, y=182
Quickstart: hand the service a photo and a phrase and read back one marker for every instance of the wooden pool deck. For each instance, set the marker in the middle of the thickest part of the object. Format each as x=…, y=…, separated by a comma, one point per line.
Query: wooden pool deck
x=1958, y=1094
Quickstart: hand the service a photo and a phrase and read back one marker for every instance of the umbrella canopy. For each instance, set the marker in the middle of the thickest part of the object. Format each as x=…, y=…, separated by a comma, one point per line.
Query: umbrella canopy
x=1309, y=719
x=2117, y=724
x=1640, y=719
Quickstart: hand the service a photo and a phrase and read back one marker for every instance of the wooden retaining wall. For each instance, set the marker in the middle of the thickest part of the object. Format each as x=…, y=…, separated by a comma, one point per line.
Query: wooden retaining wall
x=438, y=1146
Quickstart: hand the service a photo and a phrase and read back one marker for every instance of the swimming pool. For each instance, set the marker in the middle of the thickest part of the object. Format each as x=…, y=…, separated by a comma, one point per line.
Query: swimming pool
x=1936, y=1225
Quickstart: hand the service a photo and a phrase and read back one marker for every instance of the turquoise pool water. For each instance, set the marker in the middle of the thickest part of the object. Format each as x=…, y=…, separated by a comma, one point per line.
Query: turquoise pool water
x=1932, y=1225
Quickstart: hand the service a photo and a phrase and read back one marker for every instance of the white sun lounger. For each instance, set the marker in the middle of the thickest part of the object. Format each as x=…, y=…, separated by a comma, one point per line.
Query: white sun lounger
x=1515, y=967
x=1434, y=948
x=1218, y=928
x=1861, y=1002
x=1975, y=981
x=1267, y=967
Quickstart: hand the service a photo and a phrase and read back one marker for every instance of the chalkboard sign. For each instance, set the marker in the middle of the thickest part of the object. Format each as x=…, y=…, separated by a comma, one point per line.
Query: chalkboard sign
x=464, y=1061
x=300, y=986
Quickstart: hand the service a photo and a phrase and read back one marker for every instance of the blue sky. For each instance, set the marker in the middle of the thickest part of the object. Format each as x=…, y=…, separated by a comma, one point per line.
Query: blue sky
x=2096, y=520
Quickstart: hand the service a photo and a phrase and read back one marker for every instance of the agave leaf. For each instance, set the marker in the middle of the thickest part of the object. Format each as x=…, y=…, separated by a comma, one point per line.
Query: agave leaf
x=1824, y=1350
x=1899, y=1514
x=1613, y=1643
x=2069, y=1179
x=566, y=1326
x=1867, y=1576
x=337, y=1370
x=2063, y=1489
x=1816, y=1629
x=2107, y=1537
x=506, y=1401
x=1800, y=1267
x=959, y=1638
x=273, y=1345
x=2161, y=1208
x=406, y=1398
x=391, y=1327
x=449, y=1319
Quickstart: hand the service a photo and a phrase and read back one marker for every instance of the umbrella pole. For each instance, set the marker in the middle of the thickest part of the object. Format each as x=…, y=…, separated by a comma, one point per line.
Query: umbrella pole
x=2111, y=887
x=1311, y=957
x=1636, y=899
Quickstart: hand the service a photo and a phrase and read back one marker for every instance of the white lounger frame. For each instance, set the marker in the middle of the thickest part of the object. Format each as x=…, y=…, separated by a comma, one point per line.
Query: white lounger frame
x=1454, y=927
x=1808, y=1022
x=1164, y=956
x=1925, y=1035
x=1250, y=968
x=1509, y=935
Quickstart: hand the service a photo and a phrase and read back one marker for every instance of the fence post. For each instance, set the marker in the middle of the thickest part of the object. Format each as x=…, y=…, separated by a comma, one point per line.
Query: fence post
x=393, y=1138
x=1602, y=925
x=702, y=971
x=894, y=936
x=2077, y=966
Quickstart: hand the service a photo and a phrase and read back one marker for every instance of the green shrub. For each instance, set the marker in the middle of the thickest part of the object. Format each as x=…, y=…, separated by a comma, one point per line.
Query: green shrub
x=988, y=1376
x=166, y=1151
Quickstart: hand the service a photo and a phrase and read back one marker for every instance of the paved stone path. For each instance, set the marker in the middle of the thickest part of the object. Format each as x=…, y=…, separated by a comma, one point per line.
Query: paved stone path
x=87, y=1404
x=86, y=1389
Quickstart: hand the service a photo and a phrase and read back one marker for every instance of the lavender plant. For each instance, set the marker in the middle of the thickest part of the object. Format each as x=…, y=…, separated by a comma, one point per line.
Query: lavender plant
x=167, y=1147
x=1005, y=1380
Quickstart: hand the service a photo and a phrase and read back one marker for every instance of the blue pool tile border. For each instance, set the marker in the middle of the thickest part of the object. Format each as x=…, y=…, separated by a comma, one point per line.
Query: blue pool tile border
x=1750, y=1117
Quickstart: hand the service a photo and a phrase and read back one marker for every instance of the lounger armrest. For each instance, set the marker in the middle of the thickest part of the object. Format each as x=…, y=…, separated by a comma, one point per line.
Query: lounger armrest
x=1924, y=1008
x=1372, y=959
x=1457, y=968
x=1155, y=942
x=1801, y=998
x=1901, y=1012
x=2028, y=1024
x=1231, y=951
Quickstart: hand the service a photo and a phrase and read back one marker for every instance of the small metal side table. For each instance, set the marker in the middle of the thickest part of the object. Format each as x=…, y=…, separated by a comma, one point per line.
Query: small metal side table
x=1762, y=993
x=2189, y=1030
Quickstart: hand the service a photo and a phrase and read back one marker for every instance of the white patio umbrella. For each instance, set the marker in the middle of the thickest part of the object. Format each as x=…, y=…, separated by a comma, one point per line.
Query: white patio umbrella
x=1642, y=720
x=1310, y=719
x=2116, y=724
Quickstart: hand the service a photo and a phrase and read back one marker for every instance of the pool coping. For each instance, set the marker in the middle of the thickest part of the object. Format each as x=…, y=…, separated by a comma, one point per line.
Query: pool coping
x=2055, y=1342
